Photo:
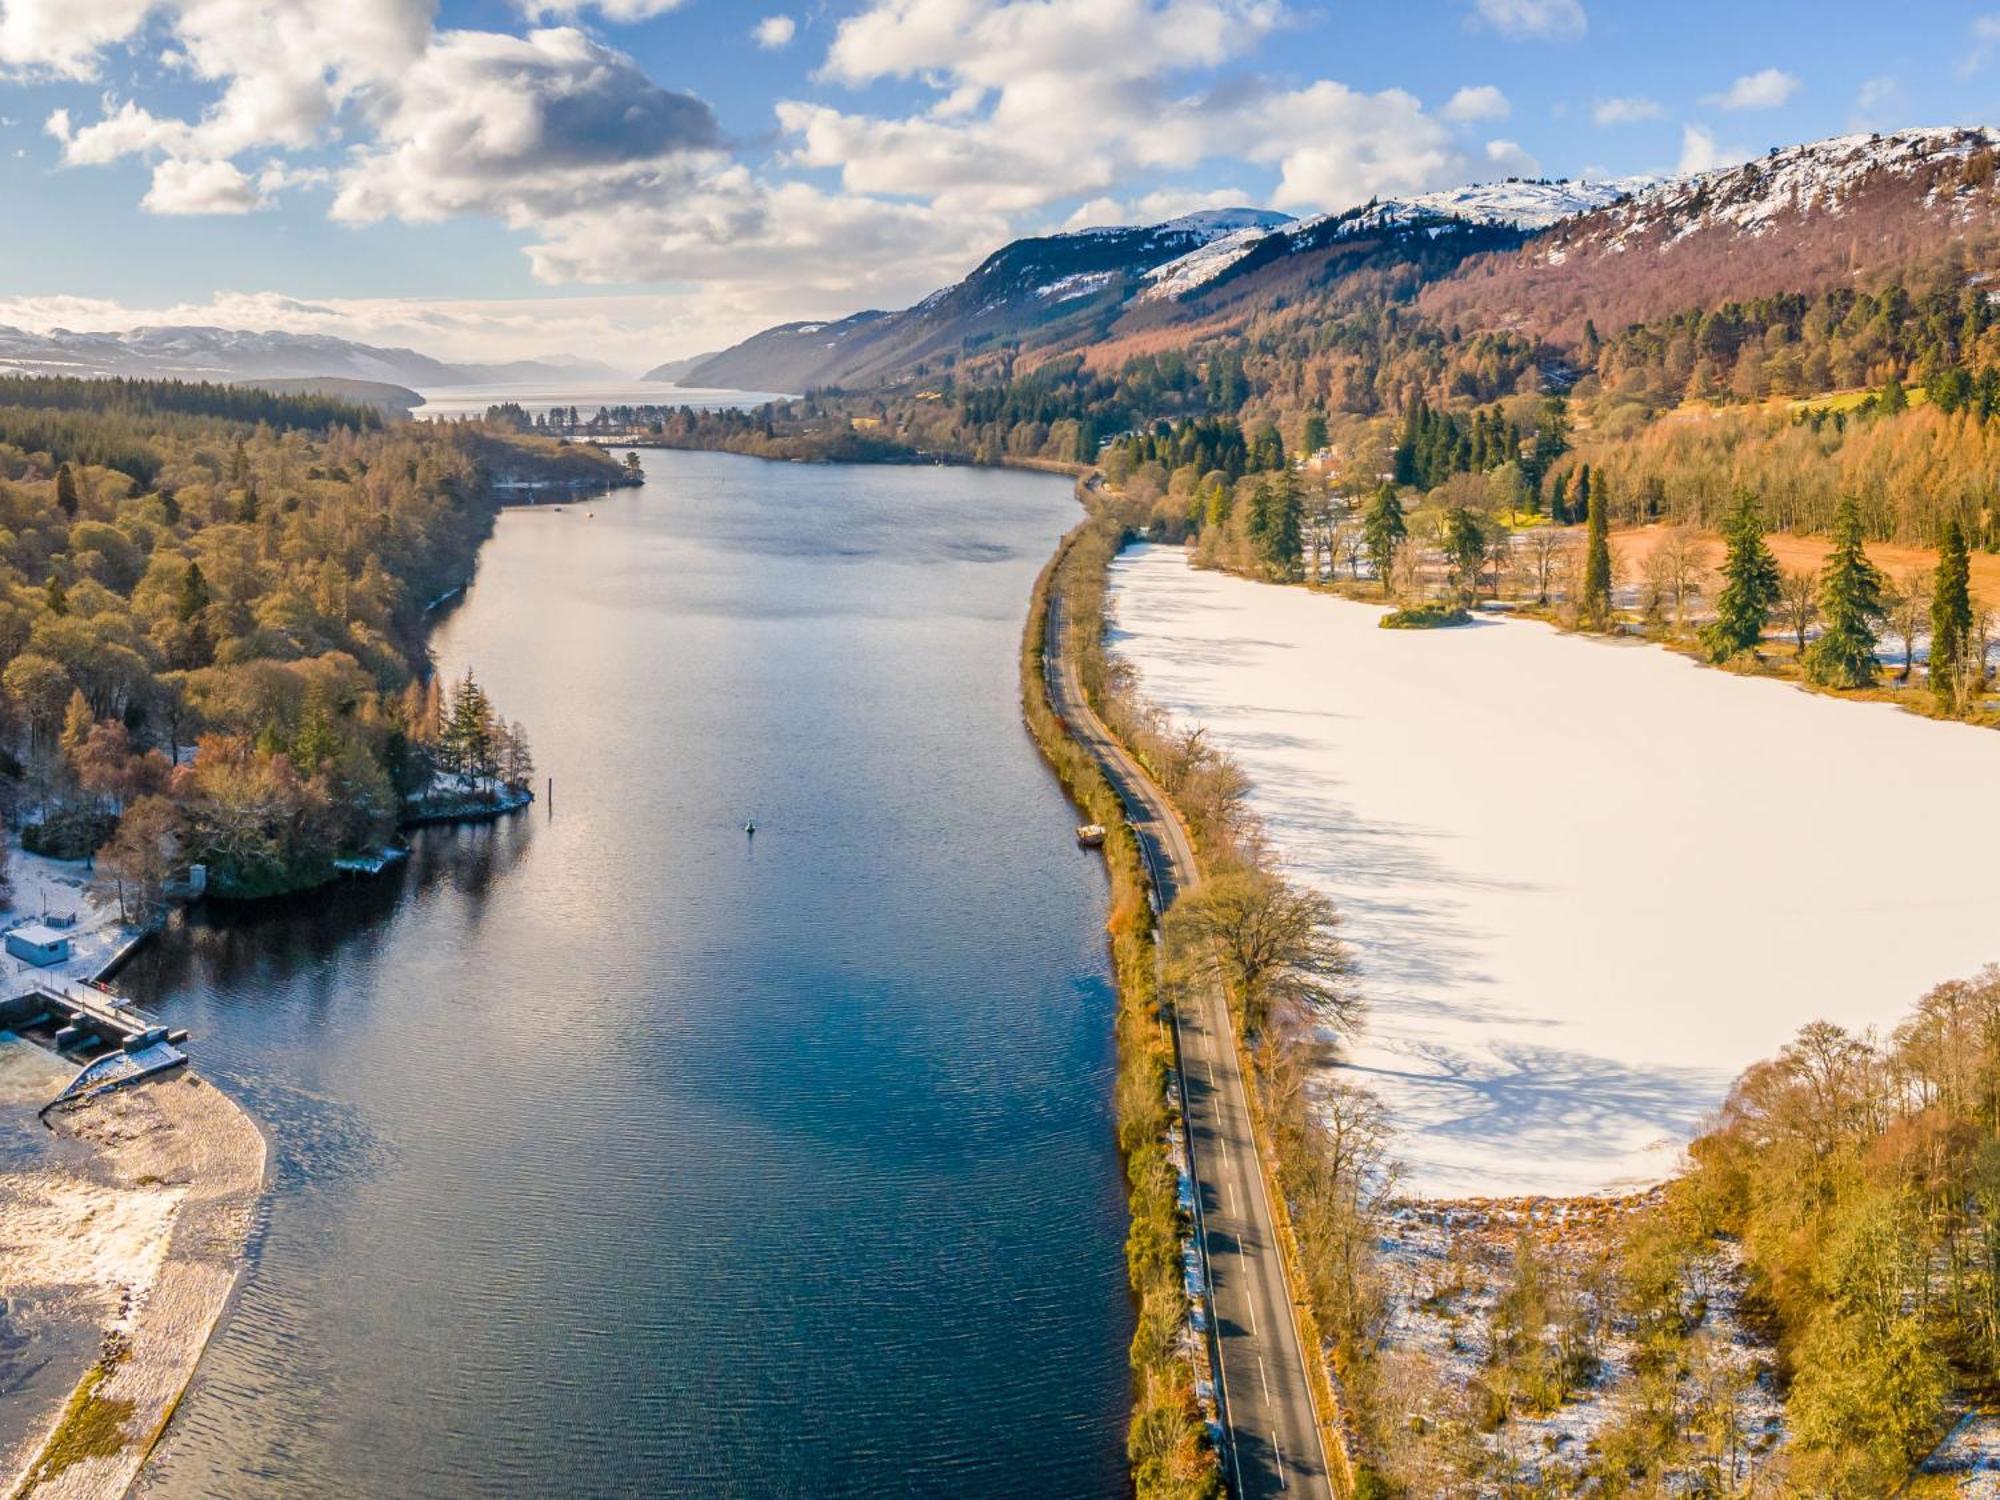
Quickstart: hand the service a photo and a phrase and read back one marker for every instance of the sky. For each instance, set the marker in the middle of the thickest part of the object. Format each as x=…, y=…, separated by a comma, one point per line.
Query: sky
x=638, y=180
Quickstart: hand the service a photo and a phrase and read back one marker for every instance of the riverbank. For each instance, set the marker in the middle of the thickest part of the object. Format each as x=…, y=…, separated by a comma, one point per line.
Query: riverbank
x=142, y=1225
x=1168, y=1445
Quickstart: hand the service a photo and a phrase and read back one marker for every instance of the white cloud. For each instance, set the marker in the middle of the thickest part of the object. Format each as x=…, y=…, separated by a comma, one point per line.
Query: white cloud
x=201, y=187
x=1155, y=207
x=44, y=38
x=1628, y=111
x=1878, y=104
x=1534, y=18
x=1477, y=102
x=1508, y=158
x=1985, y=38
x=1701, y=152
x=625, y=12
x=284, y=71
x=529, y=128
x=999, y=44
x=1336, y=147
x=775, y=32
x=1005, y=135
x=1769, y=89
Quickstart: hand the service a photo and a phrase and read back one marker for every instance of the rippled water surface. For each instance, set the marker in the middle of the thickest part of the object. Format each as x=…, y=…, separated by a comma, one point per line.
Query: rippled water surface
x=622, y=1155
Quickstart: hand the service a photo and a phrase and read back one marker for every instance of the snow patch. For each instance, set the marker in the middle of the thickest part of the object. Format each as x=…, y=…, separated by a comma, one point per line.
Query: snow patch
x=1587, y=882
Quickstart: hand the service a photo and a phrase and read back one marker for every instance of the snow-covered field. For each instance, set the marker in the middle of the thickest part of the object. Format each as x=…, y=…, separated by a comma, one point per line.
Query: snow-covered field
x=1587, y=882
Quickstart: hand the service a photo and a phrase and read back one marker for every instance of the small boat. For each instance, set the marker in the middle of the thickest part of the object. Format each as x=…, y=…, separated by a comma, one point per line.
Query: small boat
x=1091, y=836
x=750, y=830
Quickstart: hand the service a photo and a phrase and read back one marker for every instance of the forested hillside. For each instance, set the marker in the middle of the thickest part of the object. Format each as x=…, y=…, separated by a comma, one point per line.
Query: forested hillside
x=1810, y=326
x=242, y=571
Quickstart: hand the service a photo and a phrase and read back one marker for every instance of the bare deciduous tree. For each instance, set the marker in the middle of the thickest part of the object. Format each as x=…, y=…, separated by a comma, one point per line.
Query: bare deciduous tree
x=1907, y=610
x=1272, y=945
x=1798, y=602
x=1683, y=568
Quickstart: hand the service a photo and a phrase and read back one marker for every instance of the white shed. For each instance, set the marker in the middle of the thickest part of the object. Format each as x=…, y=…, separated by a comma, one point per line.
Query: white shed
x=38, y=945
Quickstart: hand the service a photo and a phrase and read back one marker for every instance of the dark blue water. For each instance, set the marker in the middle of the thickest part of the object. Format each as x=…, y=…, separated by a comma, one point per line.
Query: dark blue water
x=621, y=1155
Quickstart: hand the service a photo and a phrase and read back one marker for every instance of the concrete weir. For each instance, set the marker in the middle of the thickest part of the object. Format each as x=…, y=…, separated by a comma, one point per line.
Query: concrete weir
x=116, y=1042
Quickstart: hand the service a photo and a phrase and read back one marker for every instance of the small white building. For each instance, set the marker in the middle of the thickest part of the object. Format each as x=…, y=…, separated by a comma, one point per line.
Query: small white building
x=38, y=945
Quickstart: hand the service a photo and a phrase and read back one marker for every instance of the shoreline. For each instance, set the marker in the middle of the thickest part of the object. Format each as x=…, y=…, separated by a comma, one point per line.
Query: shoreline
x=178, y=1134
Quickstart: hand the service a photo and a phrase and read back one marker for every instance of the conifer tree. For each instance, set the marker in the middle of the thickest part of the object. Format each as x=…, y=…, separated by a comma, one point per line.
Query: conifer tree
x=1751, y=588
x=194, y=593
x=1951, y=616
x=1850, y=602
x=1383, y=529
x=1594, y=609
x=55, y=596
x=66, y=491
x=1284, y=531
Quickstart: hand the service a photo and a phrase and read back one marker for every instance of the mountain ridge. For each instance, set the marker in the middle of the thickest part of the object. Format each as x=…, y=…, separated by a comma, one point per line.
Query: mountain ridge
x=1542, y=256
x=195, y=351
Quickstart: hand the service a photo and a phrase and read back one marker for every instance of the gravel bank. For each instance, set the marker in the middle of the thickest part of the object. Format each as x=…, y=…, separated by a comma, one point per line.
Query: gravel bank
x=150, y=1229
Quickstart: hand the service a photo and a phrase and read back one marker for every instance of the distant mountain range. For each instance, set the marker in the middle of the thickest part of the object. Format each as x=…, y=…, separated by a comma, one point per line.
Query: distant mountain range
x=234, y=354
x=1533, y=257
x=1055, y=286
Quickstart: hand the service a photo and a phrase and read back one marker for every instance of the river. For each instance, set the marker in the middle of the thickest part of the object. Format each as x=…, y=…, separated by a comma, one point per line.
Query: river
x=620, y=1154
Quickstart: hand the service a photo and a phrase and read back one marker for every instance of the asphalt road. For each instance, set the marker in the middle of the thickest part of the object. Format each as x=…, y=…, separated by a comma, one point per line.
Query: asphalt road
x=1273, y=1444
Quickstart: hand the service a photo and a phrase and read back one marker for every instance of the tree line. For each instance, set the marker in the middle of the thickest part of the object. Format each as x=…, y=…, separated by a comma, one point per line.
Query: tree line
x=217, y=664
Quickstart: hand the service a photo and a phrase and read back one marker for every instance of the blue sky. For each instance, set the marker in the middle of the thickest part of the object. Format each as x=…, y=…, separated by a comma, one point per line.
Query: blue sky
x=642, y=178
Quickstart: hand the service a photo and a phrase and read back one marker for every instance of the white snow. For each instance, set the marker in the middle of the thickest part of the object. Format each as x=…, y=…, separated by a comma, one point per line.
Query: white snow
x=1528, y=203
x=1069, y=288
x=1587, y=882
x=1815, y=178
x=1198, y=268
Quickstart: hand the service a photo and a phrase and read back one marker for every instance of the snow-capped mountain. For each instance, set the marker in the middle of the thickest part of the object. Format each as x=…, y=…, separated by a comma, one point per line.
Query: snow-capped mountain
x=1179, y=277
x=1547, y=254
x=1530, y=203
x=182, y=352
x=1516, y=203
x=1050, y=287
x=1846, y=211
x=1819, y=178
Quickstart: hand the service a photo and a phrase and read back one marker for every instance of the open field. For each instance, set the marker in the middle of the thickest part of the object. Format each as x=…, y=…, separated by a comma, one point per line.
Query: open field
x=1587, y=881
x=1630, y=549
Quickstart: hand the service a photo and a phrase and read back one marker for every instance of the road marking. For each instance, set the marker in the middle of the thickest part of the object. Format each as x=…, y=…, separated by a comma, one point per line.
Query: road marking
x=1234, y=1212
x=1265, y=1378
x=1283, y=1483
x=1253, y=1334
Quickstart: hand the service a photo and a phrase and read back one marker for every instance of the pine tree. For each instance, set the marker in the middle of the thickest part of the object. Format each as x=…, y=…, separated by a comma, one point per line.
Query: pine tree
x=469, y=743
x=1850, y=602
x=1382, y=530
x=1751, y=588
x=1283, y=540
x=194, y=594
x=1951, y=616
x=1464, y=550
x=55, y=596
x=1594, y=609
x=66, y=491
